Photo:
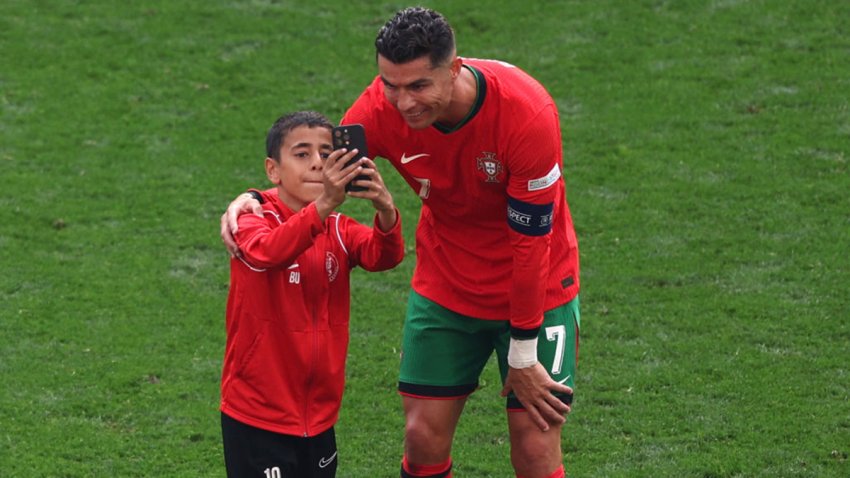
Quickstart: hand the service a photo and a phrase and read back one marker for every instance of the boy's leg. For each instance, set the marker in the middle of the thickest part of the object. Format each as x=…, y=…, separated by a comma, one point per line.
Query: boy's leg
x=320, y=458
x=250, y=451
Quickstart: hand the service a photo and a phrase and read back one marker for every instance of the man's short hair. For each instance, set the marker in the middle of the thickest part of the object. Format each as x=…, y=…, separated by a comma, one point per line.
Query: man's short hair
x=286, y=123
x=413, y=33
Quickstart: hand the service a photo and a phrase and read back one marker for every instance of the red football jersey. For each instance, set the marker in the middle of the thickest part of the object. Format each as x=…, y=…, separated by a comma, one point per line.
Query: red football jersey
x=482, y=184
x=288, y=313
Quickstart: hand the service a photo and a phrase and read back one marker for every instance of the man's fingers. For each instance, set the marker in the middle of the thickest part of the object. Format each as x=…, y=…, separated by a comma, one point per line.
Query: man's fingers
x=537, y=419
x=554, y=410
x=560, y=388
x=232, y=222
x=559, y=406
x=225, y=235
x=257, y=210
x=505, y=390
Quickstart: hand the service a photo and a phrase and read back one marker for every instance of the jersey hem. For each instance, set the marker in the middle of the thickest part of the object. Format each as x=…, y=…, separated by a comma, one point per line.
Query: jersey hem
x=300, y=431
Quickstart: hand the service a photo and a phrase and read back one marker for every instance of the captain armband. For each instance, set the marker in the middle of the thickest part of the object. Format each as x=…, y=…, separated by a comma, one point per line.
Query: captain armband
x=522, y=353
x=530, y=219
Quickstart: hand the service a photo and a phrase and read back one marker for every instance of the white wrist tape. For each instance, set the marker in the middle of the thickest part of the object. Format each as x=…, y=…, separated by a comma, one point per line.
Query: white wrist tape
x=522, y=353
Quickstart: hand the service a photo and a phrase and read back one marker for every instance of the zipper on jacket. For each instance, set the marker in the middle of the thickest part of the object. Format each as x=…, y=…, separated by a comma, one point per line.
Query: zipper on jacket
x=310, y=377
x=315, y=332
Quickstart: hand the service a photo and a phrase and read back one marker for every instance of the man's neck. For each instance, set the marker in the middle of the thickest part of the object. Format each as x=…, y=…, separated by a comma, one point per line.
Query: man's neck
x=463, y=98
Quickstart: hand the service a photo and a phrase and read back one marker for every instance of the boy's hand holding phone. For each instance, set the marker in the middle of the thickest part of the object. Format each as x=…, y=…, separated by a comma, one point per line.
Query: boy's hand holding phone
x=339, y=170
x=351, y=136
x=370, y=183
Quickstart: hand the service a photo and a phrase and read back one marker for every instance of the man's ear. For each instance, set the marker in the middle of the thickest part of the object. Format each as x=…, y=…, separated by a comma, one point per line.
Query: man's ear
x=272, y=171
x=455, y=67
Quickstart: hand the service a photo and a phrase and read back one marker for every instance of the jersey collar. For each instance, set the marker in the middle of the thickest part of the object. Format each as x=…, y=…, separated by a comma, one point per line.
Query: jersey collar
x=480, y=93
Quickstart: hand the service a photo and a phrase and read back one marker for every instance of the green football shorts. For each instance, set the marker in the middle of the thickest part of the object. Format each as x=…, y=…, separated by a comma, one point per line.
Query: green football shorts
x=443, y=352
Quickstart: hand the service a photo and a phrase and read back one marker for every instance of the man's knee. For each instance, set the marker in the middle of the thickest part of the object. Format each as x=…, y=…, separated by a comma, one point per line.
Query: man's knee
x=425, y=441
x=531, y=451
x=429, y=428
x=534, y=452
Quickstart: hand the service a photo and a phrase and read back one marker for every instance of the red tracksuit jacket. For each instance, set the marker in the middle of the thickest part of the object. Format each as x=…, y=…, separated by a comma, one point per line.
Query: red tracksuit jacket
x=288, y=313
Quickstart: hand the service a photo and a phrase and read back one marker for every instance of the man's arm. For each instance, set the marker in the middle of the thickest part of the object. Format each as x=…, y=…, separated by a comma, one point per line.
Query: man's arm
x=531, y=197
x=526, y=377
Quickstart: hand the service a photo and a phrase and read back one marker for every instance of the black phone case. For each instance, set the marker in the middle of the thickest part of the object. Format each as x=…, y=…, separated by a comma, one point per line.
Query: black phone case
x=351, y=136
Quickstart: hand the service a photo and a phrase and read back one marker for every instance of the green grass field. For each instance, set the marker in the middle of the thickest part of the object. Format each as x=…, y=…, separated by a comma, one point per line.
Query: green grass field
x=706, y=145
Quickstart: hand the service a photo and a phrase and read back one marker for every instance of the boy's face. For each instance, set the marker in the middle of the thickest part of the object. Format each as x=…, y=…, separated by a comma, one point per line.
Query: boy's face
x=298, y=174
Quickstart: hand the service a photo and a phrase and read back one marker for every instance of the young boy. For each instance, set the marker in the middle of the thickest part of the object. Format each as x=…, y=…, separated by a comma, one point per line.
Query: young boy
x=288, y=307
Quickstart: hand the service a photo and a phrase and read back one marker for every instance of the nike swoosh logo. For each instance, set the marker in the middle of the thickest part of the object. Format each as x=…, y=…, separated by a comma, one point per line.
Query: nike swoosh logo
x=324, y=462
x=407, y=159
x=565, y=379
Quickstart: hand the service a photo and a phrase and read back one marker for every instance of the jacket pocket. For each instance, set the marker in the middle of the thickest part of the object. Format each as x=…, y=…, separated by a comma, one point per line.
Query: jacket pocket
x=244, y=369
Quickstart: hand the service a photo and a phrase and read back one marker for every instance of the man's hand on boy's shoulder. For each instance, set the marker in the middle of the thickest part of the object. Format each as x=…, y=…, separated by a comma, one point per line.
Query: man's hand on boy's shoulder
x=244, y=203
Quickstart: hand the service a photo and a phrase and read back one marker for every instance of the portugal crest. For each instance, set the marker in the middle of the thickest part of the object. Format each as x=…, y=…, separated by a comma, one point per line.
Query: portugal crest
x=490, y=166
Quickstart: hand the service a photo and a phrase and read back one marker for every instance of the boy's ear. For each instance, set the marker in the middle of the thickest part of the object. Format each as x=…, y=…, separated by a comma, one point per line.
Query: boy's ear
x=272, y=171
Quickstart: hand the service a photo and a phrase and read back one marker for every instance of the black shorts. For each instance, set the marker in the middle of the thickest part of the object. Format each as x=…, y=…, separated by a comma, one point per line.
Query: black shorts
x=251, y=452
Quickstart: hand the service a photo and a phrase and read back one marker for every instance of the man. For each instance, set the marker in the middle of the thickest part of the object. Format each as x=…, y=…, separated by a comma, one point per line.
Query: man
x=497, y=257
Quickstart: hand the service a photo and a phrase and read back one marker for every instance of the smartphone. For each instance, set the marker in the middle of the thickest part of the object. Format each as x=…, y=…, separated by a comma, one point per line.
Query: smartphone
x=351, y=136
